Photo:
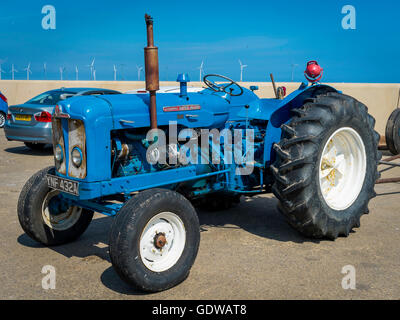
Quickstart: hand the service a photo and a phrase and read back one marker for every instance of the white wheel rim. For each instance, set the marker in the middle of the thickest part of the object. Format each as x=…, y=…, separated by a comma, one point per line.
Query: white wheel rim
x=62, y=221
x=2, y=120
x=342, y=168
x=170, y=226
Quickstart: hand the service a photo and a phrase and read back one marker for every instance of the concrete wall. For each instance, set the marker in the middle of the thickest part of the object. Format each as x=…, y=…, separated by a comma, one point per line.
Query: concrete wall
x=381, y=99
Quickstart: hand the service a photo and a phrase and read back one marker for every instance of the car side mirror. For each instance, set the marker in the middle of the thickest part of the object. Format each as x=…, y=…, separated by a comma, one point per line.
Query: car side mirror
x=253, y=88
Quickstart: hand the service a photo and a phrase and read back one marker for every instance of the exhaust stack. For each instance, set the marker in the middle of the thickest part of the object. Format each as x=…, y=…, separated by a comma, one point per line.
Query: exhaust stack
x=151, y=70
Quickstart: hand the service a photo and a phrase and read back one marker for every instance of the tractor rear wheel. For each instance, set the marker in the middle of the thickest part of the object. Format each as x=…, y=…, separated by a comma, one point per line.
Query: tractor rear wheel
x=154, y=240
x=326, y=166
x=392, y=132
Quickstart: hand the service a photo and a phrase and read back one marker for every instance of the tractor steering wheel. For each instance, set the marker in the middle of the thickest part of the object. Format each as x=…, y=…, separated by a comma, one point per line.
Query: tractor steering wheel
x=222, y=87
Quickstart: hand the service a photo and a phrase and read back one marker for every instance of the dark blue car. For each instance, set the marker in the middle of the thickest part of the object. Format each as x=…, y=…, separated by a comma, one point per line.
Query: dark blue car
x=30, y=122
x=3, y=109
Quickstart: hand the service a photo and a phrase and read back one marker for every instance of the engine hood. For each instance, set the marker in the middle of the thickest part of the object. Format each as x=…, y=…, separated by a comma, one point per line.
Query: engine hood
x=193, y=110
x=205, y=109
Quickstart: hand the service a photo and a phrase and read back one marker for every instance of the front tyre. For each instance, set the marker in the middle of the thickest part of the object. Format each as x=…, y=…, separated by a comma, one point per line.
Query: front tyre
x=326, y=166
x=45, y=216
x=154, y=240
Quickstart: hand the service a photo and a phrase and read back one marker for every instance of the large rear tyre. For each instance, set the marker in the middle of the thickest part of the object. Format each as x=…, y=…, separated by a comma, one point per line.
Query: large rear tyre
x=45, y=217
x=392, y=132
x=154, y=240
x=326, y=166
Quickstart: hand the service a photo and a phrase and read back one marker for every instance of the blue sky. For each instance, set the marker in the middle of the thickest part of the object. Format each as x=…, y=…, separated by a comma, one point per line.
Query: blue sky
x=268, y=36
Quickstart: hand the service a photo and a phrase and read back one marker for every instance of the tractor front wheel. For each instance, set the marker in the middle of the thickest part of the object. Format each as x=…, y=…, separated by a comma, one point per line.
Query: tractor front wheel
x=45, y=216
x=154, y=240
x=326, y=166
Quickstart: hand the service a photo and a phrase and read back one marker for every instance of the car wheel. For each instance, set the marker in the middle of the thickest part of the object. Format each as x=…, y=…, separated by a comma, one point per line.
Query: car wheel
x=2, y=119
x=35, y=146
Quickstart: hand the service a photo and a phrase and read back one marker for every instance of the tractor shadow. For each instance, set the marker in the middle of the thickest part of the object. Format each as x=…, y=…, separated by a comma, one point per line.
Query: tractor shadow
x=22, y=150
x=257, y=215
x=112, y=281
x=92, y=247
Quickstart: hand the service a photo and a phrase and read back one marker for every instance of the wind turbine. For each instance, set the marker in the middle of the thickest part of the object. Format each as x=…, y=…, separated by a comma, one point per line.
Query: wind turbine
x=92, y=69
x=139, y=69
x=62, y=69
x=94, y=73
x=45, y=70
x=1, y=70
x=201, y=70
x=294, y=65
x=115, y=73
x=13, y=70
x=76, y=73
x=242, y=66
x=28, y=70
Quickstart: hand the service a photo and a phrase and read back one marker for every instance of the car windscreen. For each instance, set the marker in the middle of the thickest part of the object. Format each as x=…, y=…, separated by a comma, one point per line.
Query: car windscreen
x=48, y=98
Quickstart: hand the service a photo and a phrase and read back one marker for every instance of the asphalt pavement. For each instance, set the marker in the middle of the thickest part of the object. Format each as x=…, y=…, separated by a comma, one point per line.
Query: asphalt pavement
x=247, y=252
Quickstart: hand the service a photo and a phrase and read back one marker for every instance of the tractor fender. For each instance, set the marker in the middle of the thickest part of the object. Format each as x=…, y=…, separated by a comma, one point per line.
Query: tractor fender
x=296, y=99
x=282, y=115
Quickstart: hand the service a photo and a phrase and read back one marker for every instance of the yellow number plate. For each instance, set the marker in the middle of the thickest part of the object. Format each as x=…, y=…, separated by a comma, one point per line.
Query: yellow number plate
x=22, y=117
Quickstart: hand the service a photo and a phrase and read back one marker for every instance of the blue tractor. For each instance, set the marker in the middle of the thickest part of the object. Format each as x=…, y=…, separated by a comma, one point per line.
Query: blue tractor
x=148, y=160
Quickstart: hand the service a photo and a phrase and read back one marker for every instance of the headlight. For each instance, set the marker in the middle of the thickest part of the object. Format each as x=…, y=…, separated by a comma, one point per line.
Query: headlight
x=58, y=153
x=76, y=157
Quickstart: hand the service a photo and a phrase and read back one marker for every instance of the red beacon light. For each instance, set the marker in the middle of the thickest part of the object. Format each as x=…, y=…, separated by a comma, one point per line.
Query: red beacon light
x=313, y=71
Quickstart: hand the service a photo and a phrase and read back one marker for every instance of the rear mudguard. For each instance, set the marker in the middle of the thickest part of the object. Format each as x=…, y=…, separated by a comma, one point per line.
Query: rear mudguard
x=281, y=114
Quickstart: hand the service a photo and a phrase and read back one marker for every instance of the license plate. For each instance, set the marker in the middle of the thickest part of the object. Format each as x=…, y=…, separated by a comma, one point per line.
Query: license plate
x=23, y=117
x=64, y=185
